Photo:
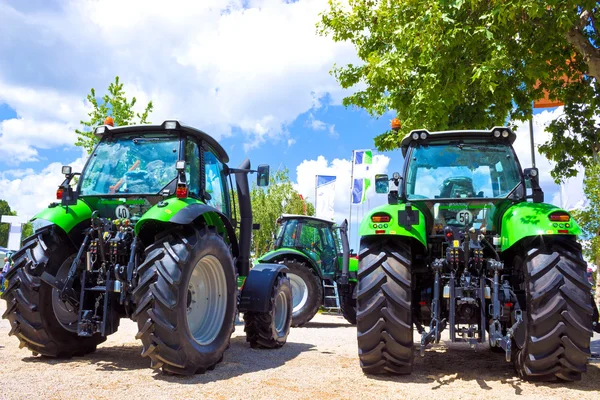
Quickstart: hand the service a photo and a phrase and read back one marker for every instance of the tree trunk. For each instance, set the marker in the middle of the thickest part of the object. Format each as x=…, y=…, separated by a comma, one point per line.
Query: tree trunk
x=598, y=280
x=580, y=41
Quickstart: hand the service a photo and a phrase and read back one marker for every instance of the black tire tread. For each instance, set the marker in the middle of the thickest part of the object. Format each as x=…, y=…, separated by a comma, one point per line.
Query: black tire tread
x=259, y=327
x=156, y=299
x=559, y=313
x=29, y=302
x=348, y=304
x=384, y=321
x=315, y=298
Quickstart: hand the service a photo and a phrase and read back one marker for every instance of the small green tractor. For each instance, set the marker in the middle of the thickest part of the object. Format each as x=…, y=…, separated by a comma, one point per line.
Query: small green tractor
x=466, y=244
x=320, y=267
x=147, y=231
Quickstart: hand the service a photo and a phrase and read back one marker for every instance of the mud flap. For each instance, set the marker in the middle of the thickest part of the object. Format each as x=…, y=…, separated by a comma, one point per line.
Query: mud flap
x=256, y=291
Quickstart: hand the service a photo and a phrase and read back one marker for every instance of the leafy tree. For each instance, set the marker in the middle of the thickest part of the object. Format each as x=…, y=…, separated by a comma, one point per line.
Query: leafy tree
x=6, y=210
x=269, y=203
x=115, y=105
x=589, y=218
x=458, y=64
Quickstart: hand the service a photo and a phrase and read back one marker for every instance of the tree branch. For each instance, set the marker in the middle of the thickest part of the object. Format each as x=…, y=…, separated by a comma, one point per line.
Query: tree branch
x=580, y=41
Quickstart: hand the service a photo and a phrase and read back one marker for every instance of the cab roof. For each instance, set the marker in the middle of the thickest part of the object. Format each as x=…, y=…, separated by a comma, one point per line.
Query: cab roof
x=285, y=217
x=496, y=134
x=178, y=127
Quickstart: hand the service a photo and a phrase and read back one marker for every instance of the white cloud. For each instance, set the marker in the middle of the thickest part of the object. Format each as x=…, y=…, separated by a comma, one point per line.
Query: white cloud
x=217, y=64
x=341, y=168
x=572, y=189
x=31, y=192
x=318, y=125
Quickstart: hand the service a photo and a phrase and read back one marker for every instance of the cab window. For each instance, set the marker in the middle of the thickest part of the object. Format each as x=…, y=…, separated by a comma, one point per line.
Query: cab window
x=192, y=167
x=215, y=183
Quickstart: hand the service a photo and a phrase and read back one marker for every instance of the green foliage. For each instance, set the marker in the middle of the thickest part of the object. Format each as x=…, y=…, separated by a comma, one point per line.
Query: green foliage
x=575, y=135
x=589, y=218
x=113, y=104
x=27, y=228
x=460, y=64
x=269, y=203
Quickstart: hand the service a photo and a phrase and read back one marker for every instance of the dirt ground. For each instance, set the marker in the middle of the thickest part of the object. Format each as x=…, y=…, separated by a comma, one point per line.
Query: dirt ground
x=319, y=361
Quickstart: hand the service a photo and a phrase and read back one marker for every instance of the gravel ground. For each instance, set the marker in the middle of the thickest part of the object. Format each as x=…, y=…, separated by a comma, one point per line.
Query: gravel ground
x=319, y=361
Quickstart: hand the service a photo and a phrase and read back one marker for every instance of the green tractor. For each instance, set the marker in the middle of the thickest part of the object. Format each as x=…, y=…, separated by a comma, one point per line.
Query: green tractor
x=459, y=246
x=320, y=267
x=148, y=232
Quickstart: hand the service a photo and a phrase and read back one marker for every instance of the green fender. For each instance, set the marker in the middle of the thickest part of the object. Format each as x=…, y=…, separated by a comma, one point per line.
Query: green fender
x=283, y=252
x=532, y=219
x=167, y=209
x=369, y=228
x=62, y=216
x=183, y=212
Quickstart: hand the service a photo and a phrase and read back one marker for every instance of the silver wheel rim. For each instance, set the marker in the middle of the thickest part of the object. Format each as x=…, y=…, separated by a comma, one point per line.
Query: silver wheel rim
x=281, y=312
x=65, y=314
x=206, y=300
x=299, y=292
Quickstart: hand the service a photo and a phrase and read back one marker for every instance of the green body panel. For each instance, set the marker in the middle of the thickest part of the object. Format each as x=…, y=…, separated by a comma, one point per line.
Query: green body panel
x=66, y=217
x=353, y=265
x=368, y=228
x=172, y=207
x=532, y=219
x=279, y=253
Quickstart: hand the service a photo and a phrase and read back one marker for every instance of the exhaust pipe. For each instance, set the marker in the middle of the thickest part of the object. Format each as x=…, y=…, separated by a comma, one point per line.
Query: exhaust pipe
x=243, y=191
x=346, y=256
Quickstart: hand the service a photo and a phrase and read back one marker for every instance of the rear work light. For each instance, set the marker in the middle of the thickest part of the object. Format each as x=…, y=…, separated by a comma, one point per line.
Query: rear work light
x=559, y=216
x=381, y=218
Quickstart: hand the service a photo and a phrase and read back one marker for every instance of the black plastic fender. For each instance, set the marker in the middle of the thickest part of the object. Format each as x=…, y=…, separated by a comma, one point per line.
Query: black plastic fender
x=188, y=214
x=256, y=291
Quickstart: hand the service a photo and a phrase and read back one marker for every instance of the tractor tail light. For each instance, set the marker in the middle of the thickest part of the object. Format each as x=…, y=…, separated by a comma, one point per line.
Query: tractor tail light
x=182, y=191
x=381, y=218
x=59, y=193
x=560, y=216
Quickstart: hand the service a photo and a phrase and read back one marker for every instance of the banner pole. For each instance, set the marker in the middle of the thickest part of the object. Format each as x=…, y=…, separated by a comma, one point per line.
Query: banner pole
x=351, y=183
x=316, y=181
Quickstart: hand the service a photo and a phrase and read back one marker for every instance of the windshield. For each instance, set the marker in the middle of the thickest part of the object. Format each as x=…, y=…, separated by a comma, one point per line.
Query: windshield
x=461, y=170
x=131, y=165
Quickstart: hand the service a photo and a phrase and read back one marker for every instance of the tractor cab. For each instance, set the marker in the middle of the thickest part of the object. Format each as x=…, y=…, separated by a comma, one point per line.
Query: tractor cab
x=317, y=238
x=322, y=273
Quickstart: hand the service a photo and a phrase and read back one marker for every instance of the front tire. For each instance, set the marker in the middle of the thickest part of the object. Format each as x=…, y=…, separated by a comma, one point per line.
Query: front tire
x=554, y=342
x=269, y=330
x=186, y=300
x=384, y=317
x=348, y=303
x=307, y=292
x=30, y=307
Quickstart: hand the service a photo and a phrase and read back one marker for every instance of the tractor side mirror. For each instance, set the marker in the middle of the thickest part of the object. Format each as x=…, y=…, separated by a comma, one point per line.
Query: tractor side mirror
x=263, y=175
x=532, y=176
x=66, y=170
x=382, y=184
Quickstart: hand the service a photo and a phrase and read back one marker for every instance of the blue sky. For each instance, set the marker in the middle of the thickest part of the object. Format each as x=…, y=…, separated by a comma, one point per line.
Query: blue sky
x=252, y=73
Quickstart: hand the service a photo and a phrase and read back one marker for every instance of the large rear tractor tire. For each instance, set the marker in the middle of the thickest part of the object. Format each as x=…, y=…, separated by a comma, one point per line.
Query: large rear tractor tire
x=554, y=339
x=269, y=330
x=186, y=300
x=307, y=292
x=384, y=319
x=348, y=303
x=33, y=310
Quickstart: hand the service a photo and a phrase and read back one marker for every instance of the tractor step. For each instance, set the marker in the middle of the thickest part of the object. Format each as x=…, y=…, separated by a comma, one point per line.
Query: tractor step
x=331, y=298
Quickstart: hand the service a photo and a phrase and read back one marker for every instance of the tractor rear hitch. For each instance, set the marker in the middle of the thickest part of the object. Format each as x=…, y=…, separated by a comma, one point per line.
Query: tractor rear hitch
x=496, y=337
x=434, y=327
